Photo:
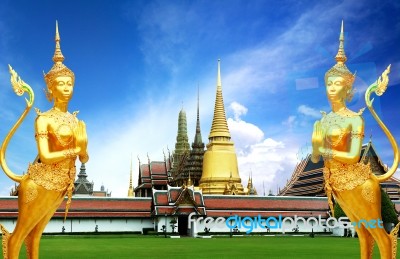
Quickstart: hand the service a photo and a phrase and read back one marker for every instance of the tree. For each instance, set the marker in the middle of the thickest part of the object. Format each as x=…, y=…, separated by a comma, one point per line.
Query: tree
x=389, y=213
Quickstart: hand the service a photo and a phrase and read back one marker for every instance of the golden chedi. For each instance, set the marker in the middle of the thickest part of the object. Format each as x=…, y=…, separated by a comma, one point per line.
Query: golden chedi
x=60, y=138
x=338, y=138
x=220, y=167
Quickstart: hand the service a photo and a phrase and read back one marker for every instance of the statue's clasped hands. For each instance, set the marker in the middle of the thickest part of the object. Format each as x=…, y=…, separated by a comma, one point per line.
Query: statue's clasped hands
x=81, y=140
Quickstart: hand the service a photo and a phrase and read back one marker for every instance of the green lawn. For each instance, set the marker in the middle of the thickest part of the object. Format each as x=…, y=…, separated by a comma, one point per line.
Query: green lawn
x=114, y=246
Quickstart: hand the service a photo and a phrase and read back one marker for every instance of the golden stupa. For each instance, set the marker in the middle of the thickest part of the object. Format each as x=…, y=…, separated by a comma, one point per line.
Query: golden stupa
x=220, y=166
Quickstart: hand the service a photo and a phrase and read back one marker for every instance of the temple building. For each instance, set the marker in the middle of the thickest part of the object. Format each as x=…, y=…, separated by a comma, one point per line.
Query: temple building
x=82, y=186
x=220, y=167
x=308, y=180
x=213, y=172
x=153, y=175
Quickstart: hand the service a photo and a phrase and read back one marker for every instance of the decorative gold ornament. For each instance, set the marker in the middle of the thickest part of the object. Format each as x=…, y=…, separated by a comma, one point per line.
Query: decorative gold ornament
x=60, y=138
x=338, y=137
x=58, y=69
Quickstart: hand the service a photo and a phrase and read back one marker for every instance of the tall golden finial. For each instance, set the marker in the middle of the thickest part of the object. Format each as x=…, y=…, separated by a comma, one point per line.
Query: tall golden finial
x=340, y=69
x=219, y=84
x=341, y=56
x=58, y=56
x=219, y=126
x=58, y=69
x=130, y=190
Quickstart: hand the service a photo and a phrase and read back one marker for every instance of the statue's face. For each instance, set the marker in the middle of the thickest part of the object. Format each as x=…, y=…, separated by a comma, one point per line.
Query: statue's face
x=63, y=88
x=335, y=88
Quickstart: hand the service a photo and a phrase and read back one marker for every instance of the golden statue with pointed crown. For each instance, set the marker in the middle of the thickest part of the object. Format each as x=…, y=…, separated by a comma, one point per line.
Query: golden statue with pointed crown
x=338, y=137
x=60, y=138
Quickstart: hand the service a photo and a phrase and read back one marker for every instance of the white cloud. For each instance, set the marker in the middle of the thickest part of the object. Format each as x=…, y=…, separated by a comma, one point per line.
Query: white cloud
x=244, y=134
x=290, y=122
x=308, y=111
x=238, y=110
x=267, y=159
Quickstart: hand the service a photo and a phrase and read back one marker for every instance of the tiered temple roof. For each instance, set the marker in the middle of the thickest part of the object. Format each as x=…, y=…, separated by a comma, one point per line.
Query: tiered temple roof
x=182, y=151
x=155, y=174
x=82, y=184
x=194, y=165
x=178, y=201
x=308, y=180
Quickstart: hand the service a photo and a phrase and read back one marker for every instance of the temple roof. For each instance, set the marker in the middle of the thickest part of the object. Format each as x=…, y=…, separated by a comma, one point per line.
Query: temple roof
x=82, y=184
x=178, y=201
x=307, y=178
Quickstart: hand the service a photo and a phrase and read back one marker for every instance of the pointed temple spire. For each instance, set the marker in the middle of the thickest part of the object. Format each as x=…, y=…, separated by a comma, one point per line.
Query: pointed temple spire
x=130, y=190
x=219, y=126
x=182, y=150
x=197, y=137
x=195, y=162
x=220, y=168
x=182, y=140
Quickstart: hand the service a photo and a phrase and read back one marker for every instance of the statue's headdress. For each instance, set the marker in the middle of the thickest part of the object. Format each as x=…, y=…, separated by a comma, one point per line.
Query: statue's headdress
x=58, y=69
x=340, y=69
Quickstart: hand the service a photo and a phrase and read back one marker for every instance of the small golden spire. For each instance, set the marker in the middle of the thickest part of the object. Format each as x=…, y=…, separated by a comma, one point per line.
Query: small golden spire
x=58, y=56
x=130, y=190
x=341, y=56
x=189, y=181
x=219, y=84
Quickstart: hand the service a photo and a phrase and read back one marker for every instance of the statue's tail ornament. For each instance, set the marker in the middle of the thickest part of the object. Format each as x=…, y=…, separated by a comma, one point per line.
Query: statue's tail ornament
x=379, y=87
x=19, y=87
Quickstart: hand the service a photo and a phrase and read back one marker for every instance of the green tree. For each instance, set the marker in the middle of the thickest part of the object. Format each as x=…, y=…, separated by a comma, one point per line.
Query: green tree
x=389, y=213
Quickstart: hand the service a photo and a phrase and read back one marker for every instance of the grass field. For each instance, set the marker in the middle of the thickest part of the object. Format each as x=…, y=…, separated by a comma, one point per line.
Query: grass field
x=117, y=246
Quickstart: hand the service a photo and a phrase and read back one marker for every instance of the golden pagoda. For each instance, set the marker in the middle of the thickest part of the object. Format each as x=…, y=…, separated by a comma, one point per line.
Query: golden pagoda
x=220, y=166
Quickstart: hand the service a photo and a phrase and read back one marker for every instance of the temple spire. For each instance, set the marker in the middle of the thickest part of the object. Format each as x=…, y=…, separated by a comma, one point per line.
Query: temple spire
x=219, y=126
x=197, y=137
x=130, y=190
x=182, y=150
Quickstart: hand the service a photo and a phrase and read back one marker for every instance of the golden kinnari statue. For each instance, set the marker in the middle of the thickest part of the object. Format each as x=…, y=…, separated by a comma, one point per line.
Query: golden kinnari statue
x=60, y=138
x=338, y=137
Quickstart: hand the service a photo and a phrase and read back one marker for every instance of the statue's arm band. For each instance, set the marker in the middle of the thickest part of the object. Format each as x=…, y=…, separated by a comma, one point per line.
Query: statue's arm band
x=355, y=134
x=42, y=134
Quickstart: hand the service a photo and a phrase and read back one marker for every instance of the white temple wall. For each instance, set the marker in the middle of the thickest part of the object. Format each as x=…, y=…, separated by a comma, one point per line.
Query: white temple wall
x=89, y=225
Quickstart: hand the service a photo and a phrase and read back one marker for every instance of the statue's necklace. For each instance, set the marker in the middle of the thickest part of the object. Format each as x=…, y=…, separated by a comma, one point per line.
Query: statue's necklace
x=334, y=122
x=65, y=123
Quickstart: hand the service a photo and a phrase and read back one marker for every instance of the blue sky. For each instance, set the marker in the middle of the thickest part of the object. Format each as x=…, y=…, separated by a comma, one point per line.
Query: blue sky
x=137, y=63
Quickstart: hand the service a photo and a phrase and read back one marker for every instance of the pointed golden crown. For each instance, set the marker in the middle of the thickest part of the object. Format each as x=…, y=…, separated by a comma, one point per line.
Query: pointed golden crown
x=340, y=69
x=58, y=69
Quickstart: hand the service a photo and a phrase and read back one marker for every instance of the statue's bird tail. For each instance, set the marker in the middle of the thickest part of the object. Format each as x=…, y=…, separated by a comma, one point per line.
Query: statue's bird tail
x=19, y=87
x=379, y=88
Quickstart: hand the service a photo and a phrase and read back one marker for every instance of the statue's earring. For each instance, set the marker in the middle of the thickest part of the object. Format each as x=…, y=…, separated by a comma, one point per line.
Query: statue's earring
x=48, y=94
x=350, y=94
